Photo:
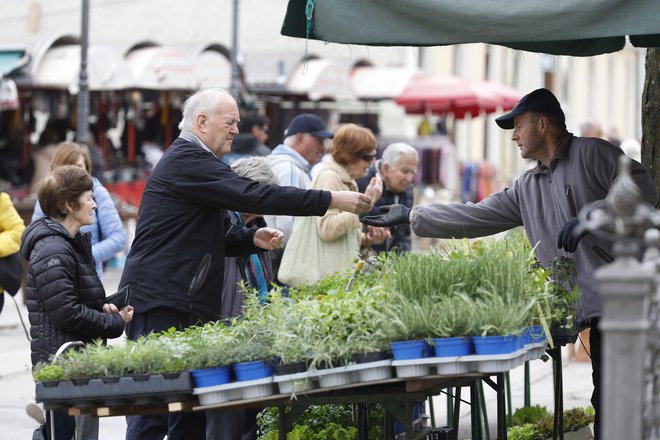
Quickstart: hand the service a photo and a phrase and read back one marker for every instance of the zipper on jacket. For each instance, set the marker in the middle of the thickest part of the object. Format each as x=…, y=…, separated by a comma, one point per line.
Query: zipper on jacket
x=571, y=201
x=199, y=278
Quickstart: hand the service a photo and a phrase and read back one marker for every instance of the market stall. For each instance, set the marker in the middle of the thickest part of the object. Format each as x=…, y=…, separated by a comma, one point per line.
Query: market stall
x=395, y=331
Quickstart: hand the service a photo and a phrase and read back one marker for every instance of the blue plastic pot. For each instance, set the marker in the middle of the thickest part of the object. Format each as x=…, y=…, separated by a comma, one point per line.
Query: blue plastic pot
x=209, y=377
x=519, y=341
x=526, y=336
x=415, y=349
x=494, y=344
x=457, y=346
x=252, y=370
x=536, y=333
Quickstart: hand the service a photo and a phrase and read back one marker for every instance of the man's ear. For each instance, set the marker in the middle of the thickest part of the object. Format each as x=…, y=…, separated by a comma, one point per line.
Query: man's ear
x=202, y=121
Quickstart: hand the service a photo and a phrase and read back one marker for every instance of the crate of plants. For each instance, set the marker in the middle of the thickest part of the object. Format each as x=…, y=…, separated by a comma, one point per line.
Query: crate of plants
x=475, y=304
x=144, y=372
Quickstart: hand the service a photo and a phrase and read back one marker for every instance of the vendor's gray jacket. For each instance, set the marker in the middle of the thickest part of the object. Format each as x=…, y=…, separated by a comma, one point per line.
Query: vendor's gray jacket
x=538, y=201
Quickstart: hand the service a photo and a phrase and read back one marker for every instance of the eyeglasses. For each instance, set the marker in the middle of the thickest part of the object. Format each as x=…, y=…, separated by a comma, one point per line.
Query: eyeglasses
x=367, y=156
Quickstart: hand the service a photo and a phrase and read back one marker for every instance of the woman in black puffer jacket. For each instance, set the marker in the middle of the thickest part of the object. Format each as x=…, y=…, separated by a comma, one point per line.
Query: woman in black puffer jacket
x=65, y=297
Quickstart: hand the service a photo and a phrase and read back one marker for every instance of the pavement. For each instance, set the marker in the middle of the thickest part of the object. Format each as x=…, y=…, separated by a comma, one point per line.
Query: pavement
x=17, y=386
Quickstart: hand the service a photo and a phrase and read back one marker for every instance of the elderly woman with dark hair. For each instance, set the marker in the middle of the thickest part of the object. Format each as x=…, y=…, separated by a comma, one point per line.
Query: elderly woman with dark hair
x=65, y=297
x=328, y=244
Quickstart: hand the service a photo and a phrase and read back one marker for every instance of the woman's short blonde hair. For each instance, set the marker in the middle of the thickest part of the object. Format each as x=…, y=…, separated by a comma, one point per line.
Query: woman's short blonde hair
x=68, y=153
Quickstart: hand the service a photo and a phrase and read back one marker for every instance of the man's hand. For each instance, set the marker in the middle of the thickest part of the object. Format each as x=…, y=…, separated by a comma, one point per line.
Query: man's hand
x=567, y=238
x=350, y=201
x=392, y=215
x=268, y=238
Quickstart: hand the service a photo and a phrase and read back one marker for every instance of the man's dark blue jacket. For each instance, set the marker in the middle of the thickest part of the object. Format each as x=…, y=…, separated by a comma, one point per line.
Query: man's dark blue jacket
x=183, y=233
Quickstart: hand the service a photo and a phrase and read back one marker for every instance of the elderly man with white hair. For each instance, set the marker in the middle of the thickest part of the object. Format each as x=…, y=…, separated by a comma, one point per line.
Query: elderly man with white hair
x=176, y=264
x=397, y=168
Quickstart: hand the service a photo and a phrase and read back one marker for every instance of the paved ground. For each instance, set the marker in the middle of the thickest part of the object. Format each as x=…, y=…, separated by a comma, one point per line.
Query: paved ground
x=17, y=387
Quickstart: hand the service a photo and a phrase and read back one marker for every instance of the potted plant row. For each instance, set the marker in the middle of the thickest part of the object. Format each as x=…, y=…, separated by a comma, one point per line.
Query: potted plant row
x=447, y=299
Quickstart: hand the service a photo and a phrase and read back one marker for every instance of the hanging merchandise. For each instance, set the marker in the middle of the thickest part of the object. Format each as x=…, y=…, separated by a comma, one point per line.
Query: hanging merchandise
x=425, y=127
x=8, y=95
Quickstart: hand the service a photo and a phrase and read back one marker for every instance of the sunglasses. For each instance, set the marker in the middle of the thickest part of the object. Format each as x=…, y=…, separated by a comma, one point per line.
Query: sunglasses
x=366, y=156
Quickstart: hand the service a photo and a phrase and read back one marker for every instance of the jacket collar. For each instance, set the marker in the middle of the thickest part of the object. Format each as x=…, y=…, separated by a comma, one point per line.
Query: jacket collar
x=341, y=170
x=190, y=137
x=563, y=147
x=282, y=151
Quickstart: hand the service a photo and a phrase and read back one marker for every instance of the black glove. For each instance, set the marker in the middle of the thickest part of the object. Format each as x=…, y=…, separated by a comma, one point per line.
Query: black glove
x=392, y=215
x=567, y=238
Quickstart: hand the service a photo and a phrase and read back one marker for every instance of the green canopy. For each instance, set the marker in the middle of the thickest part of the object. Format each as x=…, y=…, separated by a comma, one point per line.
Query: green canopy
x=559, y=27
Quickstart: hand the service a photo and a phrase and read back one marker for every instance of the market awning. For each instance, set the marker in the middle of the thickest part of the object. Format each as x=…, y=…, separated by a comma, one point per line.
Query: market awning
x=212, y=69
x=321, y=79
x=267, y=72
x=373, y=83
x=161, y=68
x=59, y=68
x=579, y=28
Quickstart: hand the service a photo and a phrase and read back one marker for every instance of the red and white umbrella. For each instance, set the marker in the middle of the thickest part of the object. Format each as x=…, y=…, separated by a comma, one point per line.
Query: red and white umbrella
x=441, y=95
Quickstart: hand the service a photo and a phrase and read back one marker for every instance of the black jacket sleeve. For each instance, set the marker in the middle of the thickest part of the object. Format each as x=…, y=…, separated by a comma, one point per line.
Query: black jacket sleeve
x=239, y=240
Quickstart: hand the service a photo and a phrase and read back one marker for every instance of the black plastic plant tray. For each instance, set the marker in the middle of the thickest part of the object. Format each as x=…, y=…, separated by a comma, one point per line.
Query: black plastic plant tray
x=136, y=390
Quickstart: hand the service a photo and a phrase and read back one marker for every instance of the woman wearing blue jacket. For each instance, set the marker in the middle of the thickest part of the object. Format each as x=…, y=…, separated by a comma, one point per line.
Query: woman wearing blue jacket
x=108, y=233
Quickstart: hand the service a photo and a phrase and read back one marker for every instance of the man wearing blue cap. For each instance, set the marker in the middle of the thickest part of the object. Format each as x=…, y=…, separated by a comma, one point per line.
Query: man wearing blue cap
x=570, y=172
x=302, y=148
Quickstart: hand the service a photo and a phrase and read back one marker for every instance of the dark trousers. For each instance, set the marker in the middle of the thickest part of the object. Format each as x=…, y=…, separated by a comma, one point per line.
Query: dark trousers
x=596, y=353
x=235, y=423
x=275, y=260
x=184, y=426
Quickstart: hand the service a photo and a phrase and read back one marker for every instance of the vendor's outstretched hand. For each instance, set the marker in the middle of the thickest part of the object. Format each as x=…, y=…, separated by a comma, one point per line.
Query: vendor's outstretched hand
x=567, y=238
x=392, y=215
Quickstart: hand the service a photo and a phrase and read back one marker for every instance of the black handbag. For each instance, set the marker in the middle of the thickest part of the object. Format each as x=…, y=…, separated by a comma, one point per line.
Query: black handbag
x=11, y=273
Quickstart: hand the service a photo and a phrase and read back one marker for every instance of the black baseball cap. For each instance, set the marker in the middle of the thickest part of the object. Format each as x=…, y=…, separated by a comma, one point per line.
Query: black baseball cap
x=308, y=123
x=539, y=101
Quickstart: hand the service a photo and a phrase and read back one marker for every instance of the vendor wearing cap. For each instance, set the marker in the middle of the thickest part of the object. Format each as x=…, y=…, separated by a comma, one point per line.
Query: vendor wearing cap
x=570, y=172
x=292, y=161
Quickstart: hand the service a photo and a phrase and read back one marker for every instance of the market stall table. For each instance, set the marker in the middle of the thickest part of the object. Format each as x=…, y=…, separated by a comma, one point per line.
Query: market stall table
x=415, y=380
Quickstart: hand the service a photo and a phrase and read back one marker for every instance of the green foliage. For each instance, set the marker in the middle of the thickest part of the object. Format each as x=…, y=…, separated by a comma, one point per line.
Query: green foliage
x=574, y=419
x=541, y=429
x=502, y=264
x=524, y=432
x=322, y=422
x=47, y=372
x=529, y=414
x=487, y=287
x=500, y=314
